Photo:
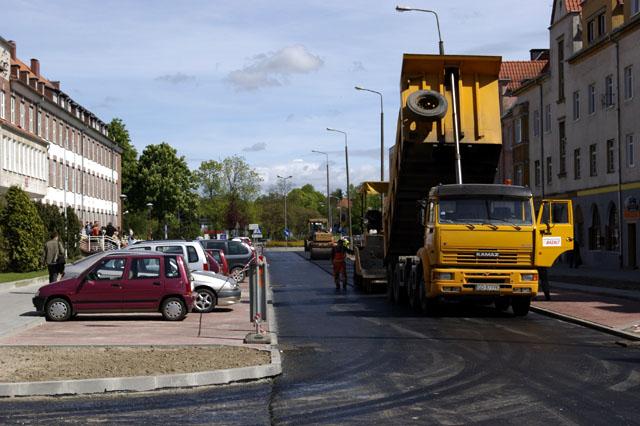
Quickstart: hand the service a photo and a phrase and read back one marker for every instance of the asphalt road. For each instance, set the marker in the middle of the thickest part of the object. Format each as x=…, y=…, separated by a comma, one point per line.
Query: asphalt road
x=352, y=358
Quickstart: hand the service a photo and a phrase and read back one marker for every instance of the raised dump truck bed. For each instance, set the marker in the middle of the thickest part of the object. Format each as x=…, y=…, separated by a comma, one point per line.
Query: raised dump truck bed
x=424, y=153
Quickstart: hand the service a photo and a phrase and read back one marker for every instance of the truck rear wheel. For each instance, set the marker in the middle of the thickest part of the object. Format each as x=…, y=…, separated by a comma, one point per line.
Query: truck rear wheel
x=520, y=306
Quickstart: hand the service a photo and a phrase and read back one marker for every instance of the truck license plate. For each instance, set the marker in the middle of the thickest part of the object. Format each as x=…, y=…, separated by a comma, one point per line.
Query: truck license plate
x=488, y=287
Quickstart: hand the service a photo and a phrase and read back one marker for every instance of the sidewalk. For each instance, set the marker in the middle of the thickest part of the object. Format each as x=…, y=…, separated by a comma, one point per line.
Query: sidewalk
x=605, y=300
x=16, y=308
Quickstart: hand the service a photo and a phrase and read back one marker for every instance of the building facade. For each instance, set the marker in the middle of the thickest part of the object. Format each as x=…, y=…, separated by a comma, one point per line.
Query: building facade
x=52, y=147
x=583, y=132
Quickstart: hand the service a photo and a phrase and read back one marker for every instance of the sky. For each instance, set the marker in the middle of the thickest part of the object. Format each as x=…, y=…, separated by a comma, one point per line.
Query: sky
x=260, y=79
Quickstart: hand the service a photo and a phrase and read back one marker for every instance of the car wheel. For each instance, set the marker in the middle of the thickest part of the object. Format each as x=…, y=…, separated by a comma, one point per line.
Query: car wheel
x=206, y=300
x=58, y=309
x=237, y=274
x=173, y=309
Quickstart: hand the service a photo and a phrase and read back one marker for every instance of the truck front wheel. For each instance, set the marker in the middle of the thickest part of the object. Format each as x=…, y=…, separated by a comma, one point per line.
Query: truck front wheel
x=520, y=306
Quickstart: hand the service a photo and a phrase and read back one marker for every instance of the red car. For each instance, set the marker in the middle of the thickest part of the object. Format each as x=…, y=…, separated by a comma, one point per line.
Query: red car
x=219, y=257
x=147, y=281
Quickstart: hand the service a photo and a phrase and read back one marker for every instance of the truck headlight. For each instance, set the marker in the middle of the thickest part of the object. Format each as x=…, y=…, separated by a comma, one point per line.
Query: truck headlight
x=529, y=277
x=443, y=276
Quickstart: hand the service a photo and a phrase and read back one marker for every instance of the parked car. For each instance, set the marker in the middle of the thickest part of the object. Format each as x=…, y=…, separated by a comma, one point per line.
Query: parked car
x=214, y=266
x=120, y=281
x=214, y=290
x=192, y=252
x=220, y=258
x=237, y=253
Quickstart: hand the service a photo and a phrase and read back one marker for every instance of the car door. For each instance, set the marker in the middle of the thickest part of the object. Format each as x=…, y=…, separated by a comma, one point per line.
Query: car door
x=554, y=231
x=101, y=288
x=143, y=287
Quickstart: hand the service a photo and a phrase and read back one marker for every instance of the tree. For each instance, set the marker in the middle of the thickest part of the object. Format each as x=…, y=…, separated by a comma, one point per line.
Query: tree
x=120, y=135
x=23, y=231
x=209, y=179
x=240, y=179
x=165, y=181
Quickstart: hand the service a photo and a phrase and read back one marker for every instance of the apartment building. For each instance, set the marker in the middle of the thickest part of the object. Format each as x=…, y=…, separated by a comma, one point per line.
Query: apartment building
x=51, y=146
x=580, y=115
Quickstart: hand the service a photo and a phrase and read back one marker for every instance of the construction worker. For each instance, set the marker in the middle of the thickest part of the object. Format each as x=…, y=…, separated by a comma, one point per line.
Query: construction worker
x=339, y=261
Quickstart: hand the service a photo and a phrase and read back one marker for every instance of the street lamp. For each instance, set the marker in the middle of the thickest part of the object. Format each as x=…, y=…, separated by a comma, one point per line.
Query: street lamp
x=346, y=158
x=410, y=9
x=381, y=129
x=328, y=201
x=286, y=230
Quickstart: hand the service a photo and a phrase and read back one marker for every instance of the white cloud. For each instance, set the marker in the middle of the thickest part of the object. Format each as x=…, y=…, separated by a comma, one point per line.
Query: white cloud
x=176, y=78
x=259, y=146
x=275, y=68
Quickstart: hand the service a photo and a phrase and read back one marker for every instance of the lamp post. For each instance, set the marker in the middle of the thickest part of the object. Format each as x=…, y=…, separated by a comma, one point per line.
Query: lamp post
x=149, y=207
x=411, y=9
x=286, y=230
x=346, y=158
x=381, y=139
x=328, y=200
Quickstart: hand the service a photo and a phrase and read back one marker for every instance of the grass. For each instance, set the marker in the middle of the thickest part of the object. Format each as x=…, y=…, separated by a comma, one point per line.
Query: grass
x=292, y=243
x=16, y=276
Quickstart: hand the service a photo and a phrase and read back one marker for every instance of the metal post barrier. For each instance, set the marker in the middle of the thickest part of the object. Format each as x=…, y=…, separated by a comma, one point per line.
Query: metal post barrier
x=258, y=300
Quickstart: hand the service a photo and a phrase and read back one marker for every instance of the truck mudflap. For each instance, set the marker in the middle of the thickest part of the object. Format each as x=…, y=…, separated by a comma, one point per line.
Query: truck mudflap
x=483, y=282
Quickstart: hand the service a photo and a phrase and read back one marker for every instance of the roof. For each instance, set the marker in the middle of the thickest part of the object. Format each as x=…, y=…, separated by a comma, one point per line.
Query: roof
x=573, y=5
x=25, y=67
x=516, y=72
x=471, y=190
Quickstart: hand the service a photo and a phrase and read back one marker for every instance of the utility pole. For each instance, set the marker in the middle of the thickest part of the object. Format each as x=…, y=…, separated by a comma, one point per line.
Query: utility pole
x=286, y=229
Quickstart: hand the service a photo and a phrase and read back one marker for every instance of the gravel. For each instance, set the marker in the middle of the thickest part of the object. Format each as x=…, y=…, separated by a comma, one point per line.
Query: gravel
x=44, y=363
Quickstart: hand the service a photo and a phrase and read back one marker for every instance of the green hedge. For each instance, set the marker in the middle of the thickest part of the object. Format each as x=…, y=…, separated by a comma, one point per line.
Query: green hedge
x=291, y=243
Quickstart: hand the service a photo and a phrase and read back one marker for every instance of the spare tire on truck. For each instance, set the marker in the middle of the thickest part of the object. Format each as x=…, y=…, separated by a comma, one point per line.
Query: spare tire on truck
x=428, y=103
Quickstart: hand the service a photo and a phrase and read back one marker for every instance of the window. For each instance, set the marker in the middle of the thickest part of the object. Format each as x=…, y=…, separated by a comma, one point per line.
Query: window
x=22, y=115
x=171, y=269
x=635, y=6
x=549, y=171
x=595, y=242
x=560, y=55
x=55, y=127
x=518, y=130
x=13, y=110
x=547, y=118
x=519, y=175
x=591, y=31
x=631, y=151
x=611, y=230
x=2, y=105
x=236, y=247
x=171, y=249
x=31, y=119
x=144, y=268
x=592, y=98
x=576, y=105
x=602, y=24
x=536, y=123
x=563, y=149
x=494, y=210
x=576, y=163
x=593, y=160
x=610, y=156
x=608, y=91
x=192, y=254
x=628, y=82
x=537, y=173
x=39, y=124
x=46, y=128
x=108, y=269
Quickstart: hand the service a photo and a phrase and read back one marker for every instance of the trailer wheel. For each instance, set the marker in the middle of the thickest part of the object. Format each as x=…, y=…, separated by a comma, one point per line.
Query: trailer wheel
x=399, y=293
x=428, y=104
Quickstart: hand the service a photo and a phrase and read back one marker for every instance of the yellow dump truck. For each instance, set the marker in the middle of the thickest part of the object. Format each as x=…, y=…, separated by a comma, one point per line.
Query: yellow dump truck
x=319, y=241
x=450, y=232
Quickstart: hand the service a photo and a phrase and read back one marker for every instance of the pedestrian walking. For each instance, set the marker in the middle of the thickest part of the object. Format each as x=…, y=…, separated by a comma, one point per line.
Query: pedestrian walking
x=110, y=230
x=339, y=261
x=543, y=275
x=575, y=260
x=53, y=257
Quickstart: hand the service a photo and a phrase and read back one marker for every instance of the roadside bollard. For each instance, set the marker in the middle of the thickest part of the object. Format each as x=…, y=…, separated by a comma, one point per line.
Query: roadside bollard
x=258, y=300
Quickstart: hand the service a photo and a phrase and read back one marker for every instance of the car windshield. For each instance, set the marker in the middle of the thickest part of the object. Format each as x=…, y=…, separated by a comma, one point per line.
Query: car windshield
x=495, y=211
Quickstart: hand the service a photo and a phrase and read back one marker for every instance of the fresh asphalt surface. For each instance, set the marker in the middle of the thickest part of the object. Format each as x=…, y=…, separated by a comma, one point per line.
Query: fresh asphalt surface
x=353, y=358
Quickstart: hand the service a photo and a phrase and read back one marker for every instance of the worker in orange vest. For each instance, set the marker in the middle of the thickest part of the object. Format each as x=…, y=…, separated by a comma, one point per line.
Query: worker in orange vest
x=339, y=261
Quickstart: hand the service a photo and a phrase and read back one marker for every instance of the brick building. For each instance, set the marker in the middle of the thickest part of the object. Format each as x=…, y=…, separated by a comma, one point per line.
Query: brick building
x=580, y=118
x=51, y=146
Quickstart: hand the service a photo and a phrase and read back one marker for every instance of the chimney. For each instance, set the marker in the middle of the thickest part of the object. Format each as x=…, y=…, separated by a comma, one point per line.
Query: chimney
x=539, y=54
x=12, y=49
x=56, y=84
x=35, y=66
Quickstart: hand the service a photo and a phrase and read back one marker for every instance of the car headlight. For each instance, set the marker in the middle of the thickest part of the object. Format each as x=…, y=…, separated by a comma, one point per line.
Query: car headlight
x=529, y=277
x=444, y=276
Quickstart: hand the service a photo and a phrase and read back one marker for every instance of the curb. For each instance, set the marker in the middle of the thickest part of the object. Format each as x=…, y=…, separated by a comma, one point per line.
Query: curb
x=585, y=323
x=151, y=383
x=12, y=285
x=35, y=322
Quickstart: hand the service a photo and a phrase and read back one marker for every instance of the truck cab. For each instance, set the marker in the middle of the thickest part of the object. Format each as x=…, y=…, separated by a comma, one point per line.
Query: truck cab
x=486, y=241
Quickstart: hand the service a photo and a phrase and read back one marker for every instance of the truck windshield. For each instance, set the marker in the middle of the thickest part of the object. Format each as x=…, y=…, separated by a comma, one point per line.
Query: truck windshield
x=495, y=211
